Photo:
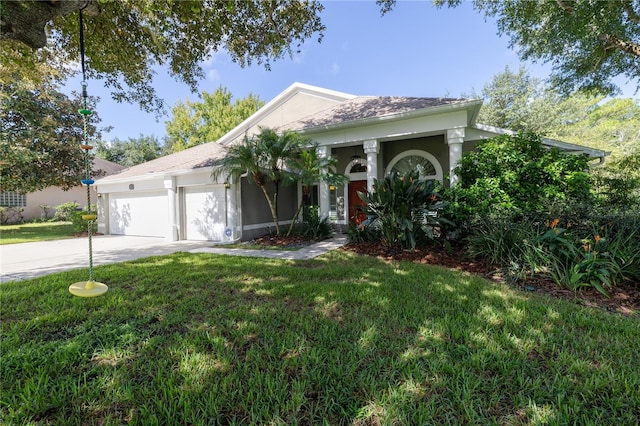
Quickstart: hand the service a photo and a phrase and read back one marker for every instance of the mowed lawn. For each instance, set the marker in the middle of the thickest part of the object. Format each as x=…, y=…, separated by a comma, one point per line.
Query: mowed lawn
x=203, y=339
x=36, y=231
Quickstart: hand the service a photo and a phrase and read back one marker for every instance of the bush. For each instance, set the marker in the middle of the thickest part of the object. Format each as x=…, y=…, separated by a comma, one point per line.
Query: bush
x=11, y=215
x=66, y=211
x=312, y=226
x=516, y=175
x=599, y=252
x=81, y=225
x=404, y=210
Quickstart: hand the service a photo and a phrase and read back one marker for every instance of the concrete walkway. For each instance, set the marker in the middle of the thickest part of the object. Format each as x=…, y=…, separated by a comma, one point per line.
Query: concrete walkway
x=30, y=260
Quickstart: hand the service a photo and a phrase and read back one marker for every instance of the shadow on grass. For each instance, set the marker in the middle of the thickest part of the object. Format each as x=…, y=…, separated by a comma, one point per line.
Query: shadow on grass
x=343, y=339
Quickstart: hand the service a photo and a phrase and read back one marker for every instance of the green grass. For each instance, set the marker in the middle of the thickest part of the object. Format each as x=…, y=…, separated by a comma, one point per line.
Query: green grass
x=339, y=340
x=30, y=232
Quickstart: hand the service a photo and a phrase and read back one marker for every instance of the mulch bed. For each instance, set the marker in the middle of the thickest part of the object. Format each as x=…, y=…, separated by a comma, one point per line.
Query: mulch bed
x=624, y=298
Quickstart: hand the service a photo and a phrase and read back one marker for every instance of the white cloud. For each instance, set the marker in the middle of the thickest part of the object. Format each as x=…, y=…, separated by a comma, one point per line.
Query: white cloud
x=213, y=75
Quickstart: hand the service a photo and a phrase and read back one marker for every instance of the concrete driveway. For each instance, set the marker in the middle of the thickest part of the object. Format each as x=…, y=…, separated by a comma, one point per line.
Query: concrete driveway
x=29, y=260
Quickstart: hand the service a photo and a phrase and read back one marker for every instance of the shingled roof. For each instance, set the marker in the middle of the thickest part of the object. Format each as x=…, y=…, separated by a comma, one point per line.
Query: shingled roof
x=367, y=107
x=192, y=158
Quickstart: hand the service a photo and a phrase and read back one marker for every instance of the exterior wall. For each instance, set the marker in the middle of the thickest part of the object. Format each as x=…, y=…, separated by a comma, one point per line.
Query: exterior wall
x=256, y=215
x=54, y=196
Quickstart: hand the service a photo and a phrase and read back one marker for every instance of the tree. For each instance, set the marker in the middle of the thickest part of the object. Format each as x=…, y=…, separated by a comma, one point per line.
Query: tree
x=181, y=34
x=588, y=42
x=262, y=157
x=130, y=152
x=195, y=123
x=309, y=168
x=40, y=133
x=519, y=102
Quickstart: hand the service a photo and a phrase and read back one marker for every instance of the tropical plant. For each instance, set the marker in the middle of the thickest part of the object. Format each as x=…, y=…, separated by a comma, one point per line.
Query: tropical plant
x=262, y=157
x=404, y=209
x=310, y=168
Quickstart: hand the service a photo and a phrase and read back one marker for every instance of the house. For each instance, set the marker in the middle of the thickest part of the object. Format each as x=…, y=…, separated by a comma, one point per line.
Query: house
x=53, y=196
x=174, y=197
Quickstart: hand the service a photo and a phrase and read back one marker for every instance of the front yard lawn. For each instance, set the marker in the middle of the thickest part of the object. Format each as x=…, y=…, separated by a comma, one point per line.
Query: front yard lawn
x=37, y=231
x=341, y=339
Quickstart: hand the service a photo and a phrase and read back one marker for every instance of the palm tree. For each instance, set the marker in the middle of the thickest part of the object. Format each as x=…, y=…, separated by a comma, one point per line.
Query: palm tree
x=309, y=169
x=262, y=157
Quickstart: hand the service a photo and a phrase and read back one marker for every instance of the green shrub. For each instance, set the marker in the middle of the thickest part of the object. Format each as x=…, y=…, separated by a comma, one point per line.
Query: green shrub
x=312, y=226
x=516, y=175
x=81, y=225
x=66, y=211
x=11, y=215
x=404, y=210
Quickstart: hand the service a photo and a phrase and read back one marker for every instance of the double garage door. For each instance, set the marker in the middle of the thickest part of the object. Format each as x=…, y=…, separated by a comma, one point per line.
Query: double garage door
x=202, y=213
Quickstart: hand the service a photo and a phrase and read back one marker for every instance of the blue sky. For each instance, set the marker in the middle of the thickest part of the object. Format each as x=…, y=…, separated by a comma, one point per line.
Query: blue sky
x=415, y=50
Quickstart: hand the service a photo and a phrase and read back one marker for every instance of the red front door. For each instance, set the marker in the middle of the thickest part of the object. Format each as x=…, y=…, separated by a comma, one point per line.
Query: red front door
x=355, y=186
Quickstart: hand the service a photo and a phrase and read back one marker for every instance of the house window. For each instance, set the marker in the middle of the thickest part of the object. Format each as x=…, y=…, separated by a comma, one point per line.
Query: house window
x=426, y=164
x=12, y=199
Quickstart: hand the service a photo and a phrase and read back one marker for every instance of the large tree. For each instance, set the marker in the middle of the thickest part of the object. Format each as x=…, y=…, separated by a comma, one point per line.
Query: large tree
x=126, y=39
x=588, y=42
x=519, y=102
x=130, y=152
x=207, y=120
x=40, y=133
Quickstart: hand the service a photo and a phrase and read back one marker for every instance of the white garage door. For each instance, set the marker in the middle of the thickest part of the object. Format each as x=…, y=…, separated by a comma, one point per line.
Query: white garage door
x=145, y=214
x=205, y=213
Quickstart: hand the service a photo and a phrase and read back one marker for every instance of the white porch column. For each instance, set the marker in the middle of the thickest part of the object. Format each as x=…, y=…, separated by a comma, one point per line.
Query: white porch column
x=323, y=188
x=170, y=186
x=455, y=139
x=371, y=148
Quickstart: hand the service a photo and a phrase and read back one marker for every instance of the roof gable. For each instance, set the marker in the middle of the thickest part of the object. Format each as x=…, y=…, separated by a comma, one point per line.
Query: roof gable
x=295, y=102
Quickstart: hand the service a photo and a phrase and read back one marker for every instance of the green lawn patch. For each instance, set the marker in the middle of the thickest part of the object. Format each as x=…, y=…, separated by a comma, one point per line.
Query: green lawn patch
x=31, y=232
x=341, y=339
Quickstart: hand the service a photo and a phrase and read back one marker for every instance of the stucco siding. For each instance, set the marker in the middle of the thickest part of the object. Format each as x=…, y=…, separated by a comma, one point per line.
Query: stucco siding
x=54, y=196
x=256, y=215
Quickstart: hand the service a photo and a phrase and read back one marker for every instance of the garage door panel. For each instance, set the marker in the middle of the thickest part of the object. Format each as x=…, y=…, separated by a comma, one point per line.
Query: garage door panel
x=141, y=214
x=205, y=213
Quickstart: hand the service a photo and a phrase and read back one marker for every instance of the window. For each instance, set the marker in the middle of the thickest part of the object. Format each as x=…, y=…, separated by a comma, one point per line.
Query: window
x=426, y=164
x=12, y=199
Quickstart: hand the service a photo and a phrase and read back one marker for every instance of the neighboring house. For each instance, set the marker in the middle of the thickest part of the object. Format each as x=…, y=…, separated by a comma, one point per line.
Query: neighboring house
x=174, y=197
x=53, y=196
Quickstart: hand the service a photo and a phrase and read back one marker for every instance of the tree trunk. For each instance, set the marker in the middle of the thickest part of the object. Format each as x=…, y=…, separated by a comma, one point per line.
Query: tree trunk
x=25, y=21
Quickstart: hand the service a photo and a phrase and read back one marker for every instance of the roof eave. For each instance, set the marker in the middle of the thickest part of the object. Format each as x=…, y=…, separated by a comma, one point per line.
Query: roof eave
x=424, y=112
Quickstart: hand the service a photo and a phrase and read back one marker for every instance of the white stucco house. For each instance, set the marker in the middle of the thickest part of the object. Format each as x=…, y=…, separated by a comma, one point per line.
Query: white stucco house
x=174, y=196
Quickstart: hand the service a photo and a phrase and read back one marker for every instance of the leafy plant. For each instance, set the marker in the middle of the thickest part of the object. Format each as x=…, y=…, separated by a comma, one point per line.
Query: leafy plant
x=312, y=226
x=404, y=209
x=516, y=175
x=65, y=211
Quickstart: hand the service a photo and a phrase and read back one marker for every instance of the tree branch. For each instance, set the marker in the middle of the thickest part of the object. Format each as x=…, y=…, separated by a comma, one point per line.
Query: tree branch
x=25, y=21
x=614, y=42
x=633, y=15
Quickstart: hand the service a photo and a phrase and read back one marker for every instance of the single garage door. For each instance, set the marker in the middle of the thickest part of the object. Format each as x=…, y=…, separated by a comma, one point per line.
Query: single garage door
x=205, y=213
x=140, y=213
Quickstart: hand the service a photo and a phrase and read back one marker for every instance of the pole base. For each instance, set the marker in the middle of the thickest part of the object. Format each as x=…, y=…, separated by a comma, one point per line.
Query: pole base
x=88, y=289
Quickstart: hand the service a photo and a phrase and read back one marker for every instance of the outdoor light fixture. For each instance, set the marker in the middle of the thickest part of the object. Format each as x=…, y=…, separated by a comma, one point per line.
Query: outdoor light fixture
x=131, y=187
x=355, y=155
